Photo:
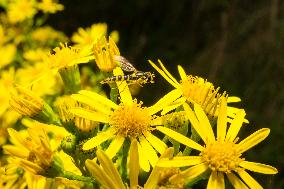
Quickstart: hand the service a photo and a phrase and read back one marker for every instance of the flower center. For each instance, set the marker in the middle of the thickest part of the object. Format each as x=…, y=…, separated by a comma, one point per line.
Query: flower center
x=63, y=55
x=222, y=156
x=197, y=90
x=130, y=120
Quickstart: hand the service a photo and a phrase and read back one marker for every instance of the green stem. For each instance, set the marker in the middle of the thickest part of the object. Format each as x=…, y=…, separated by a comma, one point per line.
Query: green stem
x=195, y=137
x=72, y=176
x=113, y=92
x=124, y=160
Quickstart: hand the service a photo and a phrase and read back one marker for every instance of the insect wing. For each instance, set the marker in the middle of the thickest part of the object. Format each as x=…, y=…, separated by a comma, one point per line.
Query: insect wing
x=124, y=64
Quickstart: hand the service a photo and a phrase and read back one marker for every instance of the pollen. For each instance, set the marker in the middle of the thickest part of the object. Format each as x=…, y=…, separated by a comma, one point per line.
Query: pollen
x=197, y=90
x=131, y=120
x=222, y=156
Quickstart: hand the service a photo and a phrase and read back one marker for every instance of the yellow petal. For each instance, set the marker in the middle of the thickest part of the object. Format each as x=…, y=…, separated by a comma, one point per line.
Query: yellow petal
x=180, y=161
x=222, y=120
x=204, y=122
x=154, y=177
x=235, y=126
x=157, y=121
x=180, y=138
x=148, y=151
x=31, y=167
x=114, y=146
x=163, y=74
x=101, y=176
x=216, y=180
x=89, y=114
x=99, y=98
x=97, y=140
x=232, y=111
x=109, y=168
x=16, y=137
x=16, y=151
x=253, y=139
x=92, y=103
x=143, y=161
x=158, y=144
x=236, y=182
x=258, y=167
x=133, y=164
x=123, y=88
x=96, y=171
x=167, y=72
x=194, y=171
x=195, y=123
x=165, y=101
x=182, y=73
x=174, y=105
x=233, y=99
x=251, y=182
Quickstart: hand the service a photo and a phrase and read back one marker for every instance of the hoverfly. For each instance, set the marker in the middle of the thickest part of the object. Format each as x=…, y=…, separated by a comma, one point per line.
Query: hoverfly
x=137, y=77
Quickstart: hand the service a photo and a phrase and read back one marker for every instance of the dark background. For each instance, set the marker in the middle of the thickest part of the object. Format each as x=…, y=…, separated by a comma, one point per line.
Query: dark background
x=238, y=45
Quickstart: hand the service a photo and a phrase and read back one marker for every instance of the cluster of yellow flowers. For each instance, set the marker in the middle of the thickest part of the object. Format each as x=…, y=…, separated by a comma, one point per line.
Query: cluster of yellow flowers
x=59, y=129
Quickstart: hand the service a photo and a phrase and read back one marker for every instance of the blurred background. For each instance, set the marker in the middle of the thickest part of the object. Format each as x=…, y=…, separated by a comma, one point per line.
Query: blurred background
x=238, y=45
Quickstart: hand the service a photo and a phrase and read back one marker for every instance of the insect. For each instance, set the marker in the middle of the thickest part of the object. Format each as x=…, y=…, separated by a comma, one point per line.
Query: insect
x=137, y=77
x=125, y=64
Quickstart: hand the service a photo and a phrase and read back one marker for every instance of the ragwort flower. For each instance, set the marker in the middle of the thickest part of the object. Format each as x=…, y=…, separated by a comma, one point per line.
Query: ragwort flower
x=33, y=150
x=67, y=56
x=221, y=155
x=20, y=10
x=86, y=37
x=105, y=52
x=49, y=6
x=108, y=176
x=127, y=120
x=198, y=91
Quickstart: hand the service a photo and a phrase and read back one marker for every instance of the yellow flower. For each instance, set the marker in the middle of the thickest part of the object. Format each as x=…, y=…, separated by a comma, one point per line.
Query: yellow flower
x=221, y=155
x=104, y=52
x=88, y=36
x=16, y=13
x=49, y=6
x=28, y=76
x=3, y=135
x=12, y=176
x=33, y=150
x=6, y=84
x=108, y=176
x=8, y=53
x=63, y=105
x=35, y=55
x=198, y=91
x=46, y=34
x=8, y=116
x=67, y=56
x=56, y=133
x=127, y=120
x=26, y=102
